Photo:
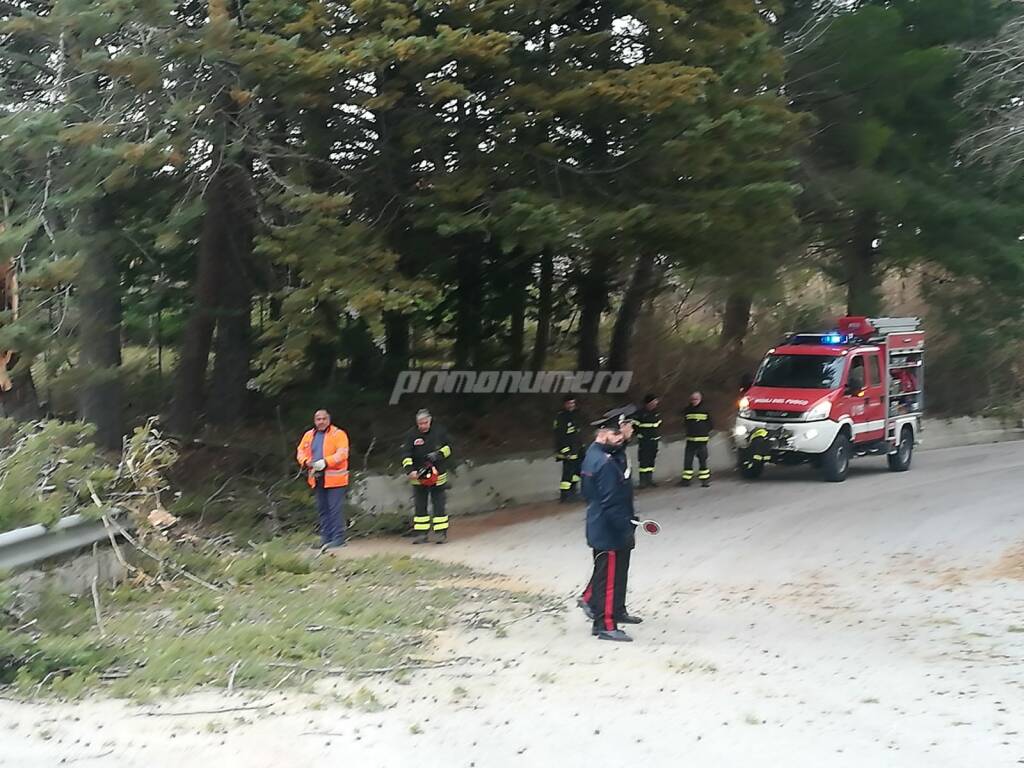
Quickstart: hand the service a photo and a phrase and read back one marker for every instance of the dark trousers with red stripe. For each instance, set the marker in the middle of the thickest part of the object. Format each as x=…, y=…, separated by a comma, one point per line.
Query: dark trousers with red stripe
x=606, y=592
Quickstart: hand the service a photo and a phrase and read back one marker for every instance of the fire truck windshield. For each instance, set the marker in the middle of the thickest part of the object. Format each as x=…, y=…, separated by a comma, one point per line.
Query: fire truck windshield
x=800, y=372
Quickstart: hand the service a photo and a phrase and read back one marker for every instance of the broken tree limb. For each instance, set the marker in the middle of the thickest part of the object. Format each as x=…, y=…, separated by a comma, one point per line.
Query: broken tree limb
x=205, y=711
x=109, y=523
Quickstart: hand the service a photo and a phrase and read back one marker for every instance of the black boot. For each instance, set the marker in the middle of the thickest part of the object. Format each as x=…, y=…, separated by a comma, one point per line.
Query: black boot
x=442, y=537
x=684, y=483
x=627, y=619
x=616, y=635
x=420, y=538
x=705, y=483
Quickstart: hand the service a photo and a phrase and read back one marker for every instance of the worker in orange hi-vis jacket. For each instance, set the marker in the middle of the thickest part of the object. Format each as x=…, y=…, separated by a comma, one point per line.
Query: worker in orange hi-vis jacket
x=323, y=453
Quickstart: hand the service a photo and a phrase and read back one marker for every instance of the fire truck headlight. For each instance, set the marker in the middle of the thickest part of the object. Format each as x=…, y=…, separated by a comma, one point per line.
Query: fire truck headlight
x=819, y=412
x=744, y=406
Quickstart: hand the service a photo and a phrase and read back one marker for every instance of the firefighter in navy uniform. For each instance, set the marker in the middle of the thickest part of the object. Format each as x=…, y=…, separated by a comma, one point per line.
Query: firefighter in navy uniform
x=698, y=424
x=568, y=449
x=647, y=423
x=424, y=458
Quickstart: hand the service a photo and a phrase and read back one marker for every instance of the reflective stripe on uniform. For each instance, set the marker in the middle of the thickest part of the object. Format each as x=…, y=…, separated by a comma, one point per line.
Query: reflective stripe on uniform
x=575, y=478
x=697, y=416
x=565, y=485
x=421, y=523
x=646, y=469
x=446, y=451
x=407, y=462
x=687, y=474
x=441, y=523
x=697, y=439
x=704, y=474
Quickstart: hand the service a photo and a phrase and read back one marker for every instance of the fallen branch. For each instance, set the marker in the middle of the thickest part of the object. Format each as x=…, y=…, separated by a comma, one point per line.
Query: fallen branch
x=109, y=529
x=164, y=563
x=46, y=679
x=283, y=680
x=88, y=757
x=109, y=523
x=335, y=671
x=96, y=607
x=204, y=711
x=407, y=667
x=231, y=677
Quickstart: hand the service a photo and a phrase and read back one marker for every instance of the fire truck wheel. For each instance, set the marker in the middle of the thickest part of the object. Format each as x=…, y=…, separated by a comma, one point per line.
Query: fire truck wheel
x=900, y=461
x=836, y=460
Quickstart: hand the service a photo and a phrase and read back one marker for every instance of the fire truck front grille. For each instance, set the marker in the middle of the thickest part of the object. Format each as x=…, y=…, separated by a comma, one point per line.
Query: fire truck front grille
x=776, y=415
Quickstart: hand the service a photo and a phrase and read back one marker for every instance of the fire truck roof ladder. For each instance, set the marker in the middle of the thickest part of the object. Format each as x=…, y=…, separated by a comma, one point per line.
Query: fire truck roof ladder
x=886, y=325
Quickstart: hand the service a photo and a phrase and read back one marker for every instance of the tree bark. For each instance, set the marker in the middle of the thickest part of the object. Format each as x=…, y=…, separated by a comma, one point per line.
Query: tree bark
x=233, y=342
x=396, y=341
x=736, y=318
x=517, y=316
x=593, y=298
x=468, y=317
x=215, y=242
x=629, y=311
x=863, y=278
x=21, y=402
x=545, y=307
x=99, y=331
x=232, y=351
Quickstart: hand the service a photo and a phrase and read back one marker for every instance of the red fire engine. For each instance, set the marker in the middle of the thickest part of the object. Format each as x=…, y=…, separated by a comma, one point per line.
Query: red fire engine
x=826, y=397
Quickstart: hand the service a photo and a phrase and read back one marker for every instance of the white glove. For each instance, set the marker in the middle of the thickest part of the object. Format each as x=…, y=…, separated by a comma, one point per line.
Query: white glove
x=319, y=465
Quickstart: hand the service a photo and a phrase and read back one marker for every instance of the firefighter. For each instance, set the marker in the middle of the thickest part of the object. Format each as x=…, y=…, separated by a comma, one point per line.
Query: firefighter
x=424, y=457
x=323, y=453
x=568, y=449
x=647, y=423
x=758, y=451
x=608, y=490
x=698, y=435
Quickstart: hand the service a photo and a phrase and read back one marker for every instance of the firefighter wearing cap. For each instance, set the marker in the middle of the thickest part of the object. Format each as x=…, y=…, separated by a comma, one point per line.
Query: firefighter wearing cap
x=608, y=490
x=698, y=424
x=568, y=449
x=647, y=423
x=425, y=454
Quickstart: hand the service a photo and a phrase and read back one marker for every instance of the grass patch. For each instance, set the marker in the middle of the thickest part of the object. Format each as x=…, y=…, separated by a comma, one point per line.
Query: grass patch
x=282, y=619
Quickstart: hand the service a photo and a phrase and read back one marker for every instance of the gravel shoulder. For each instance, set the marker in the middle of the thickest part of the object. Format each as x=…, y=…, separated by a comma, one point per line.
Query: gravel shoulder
x=789, y=622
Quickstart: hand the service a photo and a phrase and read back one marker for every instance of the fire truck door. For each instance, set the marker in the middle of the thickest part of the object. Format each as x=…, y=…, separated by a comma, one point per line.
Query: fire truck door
x=874, y=399
x=855, y=400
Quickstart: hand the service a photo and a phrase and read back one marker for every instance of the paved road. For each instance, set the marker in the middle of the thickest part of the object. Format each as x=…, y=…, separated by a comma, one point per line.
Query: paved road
x=879, y=622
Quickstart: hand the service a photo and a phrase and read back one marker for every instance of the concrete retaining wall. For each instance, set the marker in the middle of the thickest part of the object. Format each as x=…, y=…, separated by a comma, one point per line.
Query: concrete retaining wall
x=534, y=477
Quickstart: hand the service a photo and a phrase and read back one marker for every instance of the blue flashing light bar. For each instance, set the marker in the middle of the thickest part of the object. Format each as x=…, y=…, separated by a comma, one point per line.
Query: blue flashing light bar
x=834, y=338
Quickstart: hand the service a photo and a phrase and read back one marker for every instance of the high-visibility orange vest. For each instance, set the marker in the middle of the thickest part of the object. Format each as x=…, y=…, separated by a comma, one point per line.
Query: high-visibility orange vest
x=335, y=454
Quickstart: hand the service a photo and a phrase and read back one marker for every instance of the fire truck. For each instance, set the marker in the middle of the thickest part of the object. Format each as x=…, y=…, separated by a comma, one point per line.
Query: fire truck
x=824, y=398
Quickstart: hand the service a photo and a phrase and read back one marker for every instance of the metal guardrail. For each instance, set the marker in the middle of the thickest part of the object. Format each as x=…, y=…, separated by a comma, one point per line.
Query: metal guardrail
x=35, y=543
